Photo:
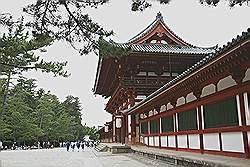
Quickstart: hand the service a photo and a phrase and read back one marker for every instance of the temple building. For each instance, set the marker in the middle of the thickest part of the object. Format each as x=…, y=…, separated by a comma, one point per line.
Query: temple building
x=166, y=93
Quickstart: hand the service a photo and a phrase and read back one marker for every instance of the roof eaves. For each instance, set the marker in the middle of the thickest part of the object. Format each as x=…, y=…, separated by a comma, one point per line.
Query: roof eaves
x=143, y=32
x=196, y=66
x=97, y=74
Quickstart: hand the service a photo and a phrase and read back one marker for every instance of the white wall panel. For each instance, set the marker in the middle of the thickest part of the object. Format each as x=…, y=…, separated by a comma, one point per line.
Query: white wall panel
x=226, y=83
x=163, y=108
x=146, y=140
x=182, y=141
x=208, y=90
x=190, y=97
x=247, y=75
x=248, y=134
x=129, y=123
x=211, y=141
x=151, y=141
x=156, y=140
x=164, y=141
x=247, y=111
x=232, y=141
x=171, y=141
x=238, y=109
x=180, y=101
x=194, y=141
x=169, y=106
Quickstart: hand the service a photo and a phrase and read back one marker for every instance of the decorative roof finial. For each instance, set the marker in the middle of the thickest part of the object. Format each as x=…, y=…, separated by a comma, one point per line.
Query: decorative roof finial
x=159, y=16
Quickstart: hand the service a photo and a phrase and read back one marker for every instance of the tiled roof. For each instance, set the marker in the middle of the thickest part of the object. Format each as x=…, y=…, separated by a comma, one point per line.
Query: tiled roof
x=240, y=38
x=164, y=48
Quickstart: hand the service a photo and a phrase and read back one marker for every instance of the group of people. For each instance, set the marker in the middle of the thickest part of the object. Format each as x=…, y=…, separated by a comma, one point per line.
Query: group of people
x=74, y=145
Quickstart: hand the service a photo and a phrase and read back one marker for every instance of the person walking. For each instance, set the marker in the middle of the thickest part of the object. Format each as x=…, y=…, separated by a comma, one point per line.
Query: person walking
x=73, y=146
x=78, y=145
x=1, y=145
x=82, y=145
x=67, y=145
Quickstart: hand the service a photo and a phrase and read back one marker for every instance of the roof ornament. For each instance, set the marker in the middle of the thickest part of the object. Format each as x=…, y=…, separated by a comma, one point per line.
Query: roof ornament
x=159, y=16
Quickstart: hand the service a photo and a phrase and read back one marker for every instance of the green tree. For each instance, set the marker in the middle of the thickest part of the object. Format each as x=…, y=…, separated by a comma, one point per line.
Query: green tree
x=33, y=115
x=17, y=55
x=67, y=20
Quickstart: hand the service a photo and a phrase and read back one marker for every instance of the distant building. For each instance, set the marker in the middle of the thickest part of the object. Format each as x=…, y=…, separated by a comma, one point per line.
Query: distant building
x=167, y=93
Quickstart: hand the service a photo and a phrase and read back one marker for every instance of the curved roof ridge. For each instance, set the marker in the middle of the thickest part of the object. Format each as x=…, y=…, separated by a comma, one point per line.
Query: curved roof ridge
x=144, y=31
x=159, y=20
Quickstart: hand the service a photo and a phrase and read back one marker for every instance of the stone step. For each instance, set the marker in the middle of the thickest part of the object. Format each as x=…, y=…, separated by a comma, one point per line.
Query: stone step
x=101, y=148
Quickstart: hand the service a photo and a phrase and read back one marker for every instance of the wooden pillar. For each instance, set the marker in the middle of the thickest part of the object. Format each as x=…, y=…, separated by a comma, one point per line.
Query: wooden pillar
x=118, y=135
x=159, y=130
x=243, y=120
x=158, y=108
x=114, y=129
x=200, y=129
x=124, y=127
x=176, y=130
x=133, y=129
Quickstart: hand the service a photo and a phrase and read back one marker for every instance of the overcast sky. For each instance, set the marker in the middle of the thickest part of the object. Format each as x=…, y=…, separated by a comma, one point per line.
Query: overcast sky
x=197, y=24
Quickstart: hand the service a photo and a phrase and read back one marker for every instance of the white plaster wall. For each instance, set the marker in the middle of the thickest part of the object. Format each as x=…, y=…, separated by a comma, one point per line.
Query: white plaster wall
x=146, y=140
x=247, y=111
x=164, y=141
x=169, y=106
x=182, y=141
x=113, y=128
x=129, y=123
x=248, y=135
x=141, y=139
x=208, y=90
x=155, y=112
x=171, y=141
x=194, y=141
x=176, y=121
x=238, y=109
x=163, y=108
x=156, y=140
x=151, y=141
x=247, y=76
x=180, y=101
x=160, y=126
x=226, y=83
x=197, y=118
x=151, y=74
x=190, y=97
x=211, y=141
x=141, y=116
x=150, y=113
x=232, y=141
x=202, y=117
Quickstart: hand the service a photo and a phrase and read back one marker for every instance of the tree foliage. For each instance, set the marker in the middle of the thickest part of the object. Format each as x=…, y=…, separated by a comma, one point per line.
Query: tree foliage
x=63, y=19
x=140, y=5
x=17, y=48
x=35, y=115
